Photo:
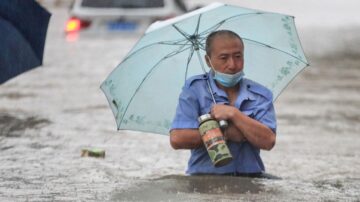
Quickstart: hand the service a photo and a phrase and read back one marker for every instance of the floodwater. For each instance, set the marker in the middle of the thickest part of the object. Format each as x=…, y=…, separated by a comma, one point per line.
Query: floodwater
x=48, y=115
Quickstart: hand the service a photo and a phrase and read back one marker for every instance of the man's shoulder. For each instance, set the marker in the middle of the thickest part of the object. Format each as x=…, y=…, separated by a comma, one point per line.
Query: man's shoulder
x=258, y=89
x=195, y=79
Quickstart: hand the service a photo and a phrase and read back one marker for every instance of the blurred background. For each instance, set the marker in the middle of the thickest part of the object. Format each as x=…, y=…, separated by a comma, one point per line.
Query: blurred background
x=49, y=114
x=317, y=17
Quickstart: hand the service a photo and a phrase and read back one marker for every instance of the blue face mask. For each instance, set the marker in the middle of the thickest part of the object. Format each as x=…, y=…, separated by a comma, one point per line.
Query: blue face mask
x=228, y=80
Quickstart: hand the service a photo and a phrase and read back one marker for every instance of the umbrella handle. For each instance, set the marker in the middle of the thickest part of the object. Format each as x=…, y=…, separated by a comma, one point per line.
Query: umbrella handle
x=223, y=124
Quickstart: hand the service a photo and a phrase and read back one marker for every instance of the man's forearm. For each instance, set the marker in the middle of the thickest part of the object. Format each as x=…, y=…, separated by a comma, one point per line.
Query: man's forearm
x=185, y=139
x=255, y=132
x=233, y=134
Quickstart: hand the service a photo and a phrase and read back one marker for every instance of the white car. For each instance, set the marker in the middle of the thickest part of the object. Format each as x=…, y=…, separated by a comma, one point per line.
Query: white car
x=114, y=16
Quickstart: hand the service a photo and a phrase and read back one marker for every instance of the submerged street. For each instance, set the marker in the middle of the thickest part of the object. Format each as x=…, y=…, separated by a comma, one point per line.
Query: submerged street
x=49, y=114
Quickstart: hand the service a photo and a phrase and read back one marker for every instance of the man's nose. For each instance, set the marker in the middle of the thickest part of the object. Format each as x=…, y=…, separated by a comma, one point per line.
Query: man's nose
x=231, y=63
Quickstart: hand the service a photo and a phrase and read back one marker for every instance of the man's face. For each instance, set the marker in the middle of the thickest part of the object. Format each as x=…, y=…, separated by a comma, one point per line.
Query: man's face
x=227, y=55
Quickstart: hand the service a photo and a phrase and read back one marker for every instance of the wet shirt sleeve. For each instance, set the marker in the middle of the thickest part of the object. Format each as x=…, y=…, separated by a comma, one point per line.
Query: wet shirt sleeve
x=264, y=111
x=187, y=111
x=266, y=114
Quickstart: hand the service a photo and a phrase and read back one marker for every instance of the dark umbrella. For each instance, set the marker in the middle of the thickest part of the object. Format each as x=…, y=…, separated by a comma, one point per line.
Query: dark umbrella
x=23, y=26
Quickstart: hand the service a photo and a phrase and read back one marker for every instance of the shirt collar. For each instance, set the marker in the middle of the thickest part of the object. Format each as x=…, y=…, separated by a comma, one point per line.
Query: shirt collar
x=244, y=90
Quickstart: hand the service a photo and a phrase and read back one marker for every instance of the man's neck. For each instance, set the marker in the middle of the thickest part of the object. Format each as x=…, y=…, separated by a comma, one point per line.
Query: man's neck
x=231, y=92
x=229, y=89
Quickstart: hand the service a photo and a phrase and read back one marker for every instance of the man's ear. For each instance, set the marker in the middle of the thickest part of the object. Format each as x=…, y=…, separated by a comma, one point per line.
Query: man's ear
x=207, y=59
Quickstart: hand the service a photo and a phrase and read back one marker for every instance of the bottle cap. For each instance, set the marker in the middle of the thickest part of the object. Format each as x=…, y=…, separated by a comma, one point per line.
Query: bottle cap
x=204, y=117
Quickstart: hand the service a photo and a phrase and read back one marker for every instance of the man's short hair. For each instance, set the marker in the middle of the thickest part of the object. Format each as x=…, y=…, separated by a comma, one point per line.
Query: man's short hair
x=217, y=33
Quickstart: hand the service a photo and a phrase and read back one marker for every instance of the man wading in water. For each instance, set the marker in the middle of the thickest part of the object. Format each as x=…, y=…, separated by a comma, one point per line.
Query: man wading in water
x=247, y=107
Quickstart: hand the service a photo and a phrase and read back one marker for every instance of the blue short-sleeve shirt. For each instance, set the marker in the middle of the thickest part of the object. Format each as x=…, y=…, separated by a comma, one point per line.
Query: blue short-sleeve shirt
x=254, y=100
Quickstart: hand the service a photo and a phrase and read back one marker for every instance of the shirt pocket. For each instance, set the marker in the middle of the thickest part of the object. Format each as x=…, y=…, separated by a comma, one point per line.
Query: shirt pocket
x=249, y=108
x=249, y=113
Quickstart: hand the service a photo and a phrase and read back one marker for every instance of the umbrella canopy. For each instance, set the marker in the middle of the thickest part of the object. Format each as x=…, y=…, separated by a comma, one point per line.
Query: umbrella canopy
x=143, y=89
x=23, y=26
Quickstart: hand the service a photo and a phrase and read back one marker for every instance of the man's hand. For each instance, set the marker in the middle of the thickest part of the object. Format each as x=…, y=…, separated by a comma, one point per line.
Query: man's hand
x=226, y=112
x=223, y=112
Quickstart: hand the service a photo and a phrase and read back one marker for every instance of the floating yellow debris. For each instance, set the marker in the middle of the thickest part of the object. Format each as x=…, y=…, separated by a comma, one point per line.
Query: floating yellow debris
x=98, y=153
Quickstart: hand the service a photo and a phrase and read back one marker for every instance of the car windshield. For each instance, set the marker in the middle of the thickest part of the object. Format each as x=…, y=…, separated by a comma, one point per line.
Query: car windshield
x=123, y=3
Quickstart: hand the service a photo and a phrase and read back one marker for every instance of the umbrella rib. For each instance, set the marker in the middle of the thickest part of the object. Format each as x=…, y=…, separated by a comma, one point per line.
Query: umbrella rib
x=176, y=42
x=187, y=36
x=271, y=47
x=201, y=45
x=216, y=26
x=146, y=76
x=211, y=29
x=197, y=26
x=183, y=45
x=177, y=51
x=188, y=61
